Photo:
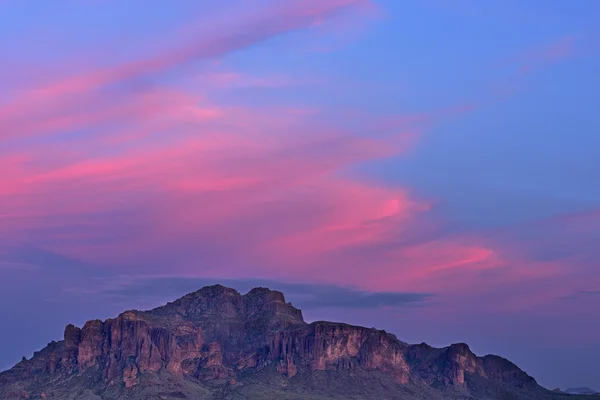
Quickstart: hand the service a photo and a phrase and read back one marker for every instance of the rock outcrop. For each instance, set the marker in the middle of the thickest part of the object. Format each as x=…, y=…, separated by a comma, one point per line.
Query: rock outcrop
x=218, y=336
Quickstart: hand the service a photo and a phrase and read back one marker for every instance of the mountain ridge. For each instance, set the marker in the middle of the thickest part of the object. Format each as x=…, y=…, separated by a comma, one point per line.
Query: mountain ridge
x=581, y=390
x=216, y=343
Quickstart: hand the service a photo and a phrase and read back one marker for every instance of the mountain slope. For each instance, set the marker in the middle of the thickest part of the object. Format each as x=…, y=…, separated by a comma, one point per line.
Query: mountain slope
x=218, y=344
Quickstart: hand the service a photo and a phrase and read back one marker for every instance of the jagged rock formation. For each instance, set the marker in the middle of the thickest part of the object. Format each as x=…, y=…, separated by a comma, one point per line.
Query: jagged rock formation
x=216, y=343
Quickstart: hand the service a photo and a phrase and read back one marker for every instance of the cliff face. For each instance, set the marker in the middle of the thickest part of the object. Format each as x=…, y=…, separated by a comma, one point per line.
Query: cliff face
x=325, y=346
x=208, y=335
x=218, y=335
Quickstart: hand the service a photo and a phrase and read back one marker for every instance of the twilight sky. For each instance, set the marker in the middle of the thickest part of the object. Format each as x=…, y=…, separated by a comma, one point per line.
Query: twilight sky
x=428, y=167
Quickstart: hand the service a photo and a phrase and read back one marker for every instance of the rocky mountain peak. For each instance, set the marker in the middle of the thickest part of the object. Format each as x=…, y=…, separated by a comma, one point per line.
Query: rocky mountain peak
x=215, y=291
x=218, y=339
x=262, y=300
x=218, y=302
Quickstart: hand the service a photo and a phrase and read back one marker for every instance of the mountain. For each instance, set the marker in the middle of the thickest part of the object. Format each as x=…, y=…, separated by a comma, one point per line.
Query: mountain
x=581, y=390
x=218, y=344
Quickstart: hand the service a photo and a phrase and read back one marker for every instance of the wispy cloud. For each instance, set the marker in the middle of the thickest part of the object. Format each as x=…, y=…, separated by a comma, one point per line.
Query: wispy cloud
x=86, y=100
x=121, y=166
x=545, y=55
x=116, y=170
x=582, y=294
x=128, y=289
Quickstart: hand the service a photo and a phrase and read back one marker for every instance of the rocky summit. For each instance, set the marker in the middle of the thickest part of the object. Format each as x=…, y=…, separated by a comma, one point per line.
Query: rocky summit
x=218, y=344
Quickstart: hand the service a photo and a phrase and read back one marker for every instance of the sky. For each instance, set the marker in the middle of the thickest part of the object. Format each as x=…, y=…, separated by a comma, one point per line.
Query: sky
x=426, y=167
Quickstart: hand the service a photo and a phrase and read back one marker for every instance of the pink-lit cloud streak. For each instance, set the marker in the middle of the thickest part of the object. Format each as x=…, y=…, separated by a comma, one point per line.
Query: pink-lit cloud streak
x=151, y=176
x=560, y=49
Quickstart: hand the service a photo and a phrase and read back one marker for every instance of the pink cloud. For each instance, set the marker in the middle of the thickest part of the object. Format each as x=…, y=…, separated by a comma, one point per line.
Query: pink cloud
x=82, y=100
x=165, y=174
x=236, y=173
x=280, y=202
x=560, y=50
x=335, y=35
x=533, y=59
x=221, y=79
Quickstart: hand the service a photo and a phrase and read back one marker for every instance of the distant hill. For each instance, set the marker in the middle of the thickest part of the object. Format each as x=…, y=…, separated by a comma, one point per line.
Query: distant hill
x=581, y=390
x=218, y=344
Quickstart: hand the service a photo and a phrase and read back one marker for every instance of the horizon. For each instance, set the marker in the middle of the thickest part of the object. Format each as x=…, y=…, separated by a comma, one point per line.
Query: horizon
x=427, y=168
